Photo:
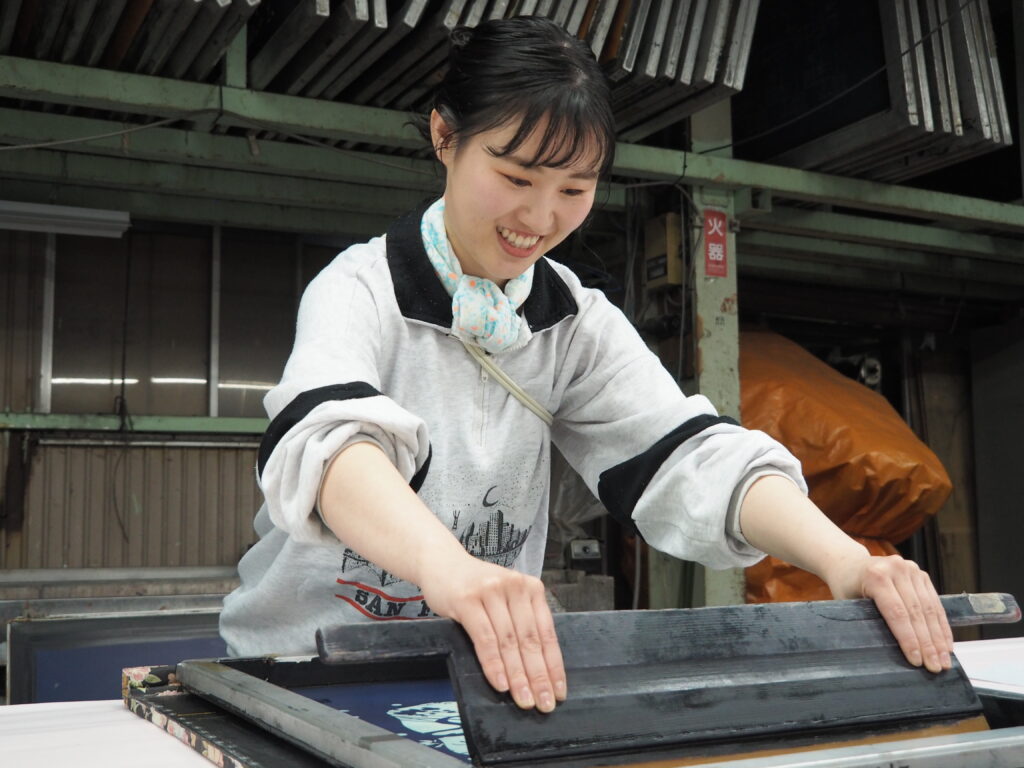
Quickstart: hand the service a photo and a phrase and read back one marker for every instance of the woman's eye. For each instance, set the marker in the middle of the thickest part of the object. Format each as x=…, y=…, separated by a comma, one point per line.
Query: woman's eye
x=573, y=192
x=517, y=181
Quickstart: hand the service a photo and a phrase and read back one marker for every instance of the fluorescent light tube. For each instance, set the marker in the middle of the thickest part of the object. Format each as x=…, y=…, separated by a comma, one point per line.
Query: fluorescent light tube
x=63, y=219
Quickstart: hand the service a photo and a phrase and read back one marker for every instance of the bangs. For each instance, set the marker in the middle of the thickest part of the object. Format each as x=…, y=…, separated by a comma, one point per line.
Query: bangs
x=533, y=81
x=570, y=136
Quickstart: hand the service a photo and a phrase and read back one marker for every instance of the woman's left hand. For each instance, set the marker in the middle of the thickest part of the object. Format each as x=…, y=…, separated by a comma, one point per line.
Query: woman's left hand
x=778, y=519
x=907, y=601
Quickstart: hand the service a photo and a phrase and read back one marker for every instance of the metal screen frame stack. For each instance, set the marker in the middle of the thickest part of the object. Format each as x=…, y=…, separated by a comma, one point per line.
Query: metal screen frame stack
x=947, y=102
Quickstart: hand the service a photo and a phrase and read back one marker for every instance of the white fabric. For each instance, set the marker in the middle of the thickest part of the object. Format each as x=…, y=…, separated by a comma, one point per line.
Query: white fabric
x=88, y=734
x=489, y=475
x=291, y=480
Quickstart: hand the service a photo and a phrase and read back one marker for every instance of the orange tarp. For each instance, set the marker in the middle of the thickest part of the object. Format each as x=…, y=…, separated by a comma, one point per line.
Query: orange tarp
x=864, y=466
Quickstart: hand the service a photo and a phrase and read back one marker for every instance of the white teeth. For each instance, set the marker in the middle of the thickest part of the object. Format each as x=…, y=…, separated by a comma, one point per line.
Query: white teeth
x=519, y=241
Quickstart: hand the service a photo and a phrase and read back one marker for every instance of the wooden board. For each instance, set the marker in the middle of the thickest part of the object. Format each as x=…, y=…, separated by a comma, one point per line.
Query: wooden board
x=969, y=725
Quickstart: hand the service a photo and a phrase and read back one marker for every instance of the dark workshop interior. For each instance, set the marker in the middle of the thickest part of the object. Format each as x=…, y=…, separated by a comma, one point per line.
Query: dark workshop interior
x=815, y=219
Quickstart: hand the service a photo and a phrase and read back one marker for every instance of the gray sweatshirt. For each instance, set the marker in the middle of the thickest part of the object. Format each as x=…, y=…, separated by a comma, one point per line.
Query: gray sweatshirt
x=374, y=361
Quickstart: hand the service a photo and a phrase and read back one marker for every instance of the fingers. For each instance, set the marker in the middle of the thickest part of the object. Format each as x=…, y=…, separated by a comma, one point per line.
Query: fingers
x=549, y=645
x=514, y=637
x=478, y=626
x=910, y=606
x=518, y=662
x=938, y=623
x=528, y=644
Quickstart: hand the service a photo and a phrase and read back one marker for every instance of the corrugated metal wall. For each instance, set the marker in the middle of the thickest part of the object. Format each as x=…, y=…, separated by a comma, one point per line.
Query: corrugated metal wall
x=22, y=263
x=131, y=506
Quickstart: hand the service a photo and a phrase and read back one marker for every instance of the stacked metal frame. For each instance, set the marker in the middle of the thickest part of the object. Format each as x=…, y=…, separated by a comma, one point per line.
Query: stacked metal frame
x=183, y=39
x=665, y=58
x=946, y=100
x=696, y=50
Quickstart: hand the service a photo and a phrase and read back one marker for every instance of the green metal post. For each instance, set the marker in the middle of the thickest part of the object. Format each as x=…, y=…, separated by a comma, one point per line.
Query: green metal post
x=716, y=324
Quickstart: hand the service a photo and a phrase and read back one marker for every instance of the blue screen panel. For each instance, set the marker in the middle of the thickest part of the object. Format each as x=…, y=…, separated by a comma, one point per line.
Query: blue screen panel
x=93, y=672
x=422, y=710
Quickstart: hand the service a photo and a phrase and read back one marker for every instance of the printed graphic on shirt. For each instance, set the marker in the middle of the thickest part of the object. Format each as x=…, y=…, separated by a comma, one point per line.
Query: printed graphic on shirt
x=351, y=561
x=377, y=604
x=495, y=540
x=487, y=535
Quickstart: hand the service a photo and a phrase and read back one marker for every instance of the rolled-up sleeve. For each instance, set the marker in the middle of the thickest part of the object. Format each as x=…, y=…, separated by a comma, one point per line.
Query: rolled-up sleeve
x=330, y=397
x=662, y=463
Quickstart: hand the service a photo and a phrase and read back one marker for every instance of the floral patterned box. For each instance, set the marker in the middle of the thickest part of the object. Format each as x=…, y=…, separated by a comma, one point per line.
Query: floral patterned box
x=154, y=694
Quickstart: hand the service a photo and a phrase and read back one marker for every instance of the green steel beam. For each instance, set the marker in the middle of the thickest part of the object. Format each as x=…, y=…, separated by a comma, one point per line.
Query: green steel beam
x=196, y=181
x=797, y=270
x=880, y=257
x=141, y=94
x=173, y=145
x=236, y=153
x=162, y=97
x=110, y=423
x=807, y=271
x=872, y=231
x=103, y=89
x=188, y=210
x=661, y=164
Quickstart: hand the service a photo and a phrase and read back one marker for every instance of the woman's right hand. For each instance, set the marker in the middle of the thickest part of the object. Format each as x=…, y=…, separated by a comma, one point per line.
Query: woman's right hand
x=508, y=619
x=370, y=506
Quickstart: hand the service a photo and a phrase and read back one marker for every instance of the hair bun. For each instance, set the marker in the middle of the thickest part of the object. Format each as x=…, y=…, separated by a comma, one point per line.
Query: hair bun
x=459, y=37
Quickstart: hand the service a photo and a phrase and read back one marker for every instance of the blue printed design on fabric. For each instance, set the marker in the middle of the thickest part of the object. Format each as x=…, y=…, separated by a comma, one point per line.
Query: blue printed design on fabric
x=481, y=312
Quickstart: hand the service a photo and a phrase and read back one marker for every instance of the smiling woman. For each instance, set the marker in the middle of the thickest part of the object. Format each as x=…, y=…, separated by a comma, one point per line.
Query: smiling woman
x=523, y=126
x=502, y=211
x=402, y=481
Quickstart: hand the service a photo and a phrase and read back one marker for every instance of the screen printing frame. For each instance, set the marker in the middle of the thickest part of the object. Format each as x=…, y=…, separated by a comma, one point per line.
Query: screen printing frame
x=259, y=690
x=26, y=637
x=252, y=689
x=46, y=607
x=1002, y=748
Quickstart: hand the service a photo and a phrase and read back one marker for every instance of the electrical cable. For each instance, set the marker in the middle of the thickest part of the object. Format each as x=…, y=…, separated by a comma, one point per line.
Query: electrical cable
x=109, y=135
x=368, y=157
x=365, y=156
x=121, y=401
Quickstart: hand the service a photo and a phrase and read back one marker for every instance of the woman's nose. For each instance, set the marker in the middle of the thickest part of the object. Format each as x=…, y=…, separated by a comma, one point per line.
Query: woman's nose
x=538, y=215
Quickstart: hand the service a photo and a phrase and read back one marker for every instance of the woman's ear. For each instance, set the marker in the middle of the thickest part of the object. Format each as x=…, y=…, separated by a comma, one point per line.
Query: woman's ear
x=440, y=136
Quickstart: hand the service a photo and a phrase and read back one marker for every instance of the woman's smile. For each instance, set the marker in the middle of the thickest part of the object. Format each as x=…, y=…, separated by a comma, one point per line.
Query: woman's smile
x=517, y=244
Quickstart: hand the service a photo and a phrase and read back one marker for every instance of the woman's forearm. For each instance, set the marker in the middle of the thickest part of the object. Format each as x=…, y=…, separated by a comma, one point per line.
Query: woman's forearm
x=778, y=519
x=367, y=504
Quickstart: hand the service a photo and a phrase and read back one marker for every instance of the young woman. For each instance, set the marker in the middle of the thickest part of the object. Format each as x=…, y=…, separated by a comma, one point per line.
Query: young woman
x=402, y=481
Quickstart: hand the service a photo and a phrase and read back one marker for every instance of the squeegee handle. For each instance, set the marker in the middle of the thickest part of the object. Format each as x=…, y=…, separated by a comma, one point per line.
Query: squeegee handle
x=984, y=608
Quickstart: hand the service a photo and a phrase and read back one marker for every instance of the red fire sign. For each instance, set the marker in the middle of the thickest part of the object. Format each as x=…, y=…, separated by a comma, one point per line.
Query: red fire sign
x=715, y=263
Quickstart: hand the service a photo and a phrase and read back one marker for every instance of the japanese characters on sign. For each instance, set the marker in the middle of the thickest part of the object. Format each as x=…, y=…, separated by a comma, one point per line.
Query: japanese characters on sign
x=715, y=261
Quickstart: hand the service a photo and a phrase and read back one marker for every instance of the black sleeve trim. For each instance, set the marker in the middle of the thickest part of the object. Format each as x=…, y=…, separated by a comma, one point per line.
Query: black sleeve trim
x=621, y=487
x=421, y=474
x=299, y=408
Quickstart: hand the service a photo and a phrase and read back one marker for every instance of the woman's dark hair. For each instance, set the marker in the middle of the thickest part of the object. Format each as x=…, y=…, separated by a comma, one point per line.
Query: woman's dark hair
x=527, y=68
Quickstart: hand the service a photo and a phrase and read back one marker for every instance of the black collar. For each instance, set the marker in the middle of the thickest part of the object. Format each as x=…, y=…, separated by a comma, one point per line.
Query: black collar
x=421, y=296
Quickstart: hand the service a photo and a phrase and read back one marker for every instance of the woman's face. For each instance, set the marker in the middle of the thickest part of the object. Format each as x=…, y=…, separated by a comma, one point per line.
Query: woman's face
x=502, y=216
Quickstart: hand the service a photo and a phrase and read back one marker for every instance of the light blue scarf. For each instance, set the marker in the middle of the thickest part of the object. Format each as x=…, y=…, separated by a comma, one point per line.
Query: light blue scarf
x=481, y=312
